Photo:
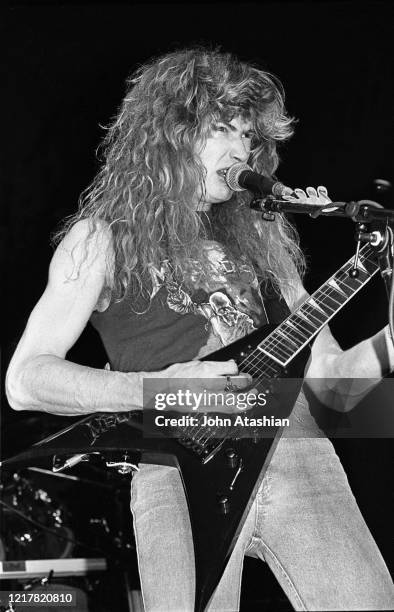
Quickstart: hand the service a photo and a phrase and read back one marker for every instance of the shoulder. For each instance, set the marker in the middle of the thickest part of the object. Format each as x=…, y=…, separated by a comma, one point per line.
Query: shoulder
x=92, y=234
x=87, y=248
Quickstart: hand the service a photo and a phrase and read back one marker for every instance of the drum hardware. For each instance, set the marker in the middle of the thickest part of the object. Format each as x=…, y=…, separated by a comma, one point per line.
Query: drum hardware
x=72, y=477
x=45, y=581
x=34, y=523
x=40, y=568
x=33, y=512
x=37, y=525
x=29, y=538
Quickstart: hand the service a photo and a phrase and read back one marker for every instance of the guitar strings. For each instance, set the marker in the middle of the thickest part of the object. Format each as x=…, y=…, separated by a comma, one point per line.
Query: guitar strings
x=311, y=310
x=273, y=342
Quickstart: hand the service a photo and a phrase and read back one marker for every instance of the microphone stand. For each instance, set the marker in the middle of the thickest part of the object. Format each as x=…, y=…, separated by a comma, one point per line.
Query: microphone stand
x=362, y=211
x=381, y=236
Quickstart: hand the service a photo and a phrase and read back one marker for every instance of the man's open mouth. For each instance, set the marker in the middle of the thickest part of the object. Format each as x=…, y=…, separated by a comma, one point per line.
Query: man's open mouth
x=222, y=172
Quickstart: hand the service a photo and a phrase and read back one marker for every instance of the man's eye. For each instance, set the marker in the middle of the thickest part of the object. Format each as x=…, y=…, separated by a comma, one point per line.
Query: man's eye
x=253, y=140
x=221, y=127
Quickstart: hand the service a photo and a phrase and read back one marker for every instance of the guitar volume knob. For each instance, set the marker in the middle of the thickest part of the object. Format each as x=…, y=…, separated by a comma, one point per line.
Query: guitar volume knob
x=232, y=458
x=224, y=504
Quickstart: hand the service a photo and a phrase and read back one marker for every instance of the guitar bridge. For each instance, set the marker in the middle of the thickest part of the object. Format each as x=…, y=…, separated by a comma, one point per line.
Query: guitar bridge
x=204, y=450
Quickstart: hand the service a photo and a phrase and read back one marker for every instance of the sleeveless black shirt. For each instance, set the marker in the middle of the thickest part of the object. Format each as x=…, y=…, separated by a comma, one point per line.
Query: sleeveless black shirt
x=182, y=324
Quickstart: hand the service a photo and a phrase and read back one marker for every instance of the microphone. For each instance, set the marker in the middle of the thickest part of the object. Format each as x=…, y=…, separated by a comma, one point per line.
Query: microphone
x=240, y=176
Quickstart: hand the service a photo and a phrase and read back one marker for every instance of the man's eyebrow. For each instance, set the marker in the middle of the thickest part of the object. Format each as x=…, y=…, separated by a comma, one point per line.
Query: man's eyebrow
x=234, y=128
x=226, y=123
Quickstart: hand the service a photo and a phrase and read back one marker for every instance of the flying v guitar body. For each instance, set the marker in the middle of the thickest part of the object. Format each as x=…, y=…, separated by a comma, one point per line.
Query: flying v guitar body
x=219, y=490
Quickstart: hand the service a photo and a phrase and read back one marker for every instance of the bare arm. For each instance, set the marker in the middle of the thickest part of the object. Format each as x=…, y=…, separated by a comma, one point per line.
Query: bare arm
x=40, y=378
x=340, y=379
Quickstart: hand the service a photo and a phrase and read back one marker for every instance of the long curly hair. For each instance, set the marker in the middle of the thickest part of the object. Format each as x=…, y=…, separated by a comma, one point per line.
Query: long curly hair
x=145, y=189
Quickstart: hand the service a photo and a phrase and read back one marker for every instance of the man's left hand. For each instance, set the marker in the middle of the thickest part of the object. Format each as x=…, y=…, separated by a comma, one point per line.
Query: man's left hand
x=311, y=195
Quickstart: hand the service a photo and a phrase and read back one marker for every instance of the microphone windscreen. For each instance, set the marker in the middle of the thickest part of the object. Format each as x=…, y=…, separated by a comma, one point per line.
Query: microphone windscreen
x=233, y=174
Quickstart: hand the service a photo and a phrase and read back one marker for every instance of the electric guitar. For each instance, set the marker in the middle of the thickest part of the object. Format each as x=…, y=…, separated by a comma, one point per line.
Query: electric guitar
x=221, y=469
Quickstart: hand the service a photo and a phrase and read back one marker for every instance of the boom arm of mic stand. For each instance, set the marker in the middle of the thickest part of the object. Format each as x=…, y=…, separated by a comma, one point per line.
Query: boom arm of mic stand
x=363, y=211
x=272, y=205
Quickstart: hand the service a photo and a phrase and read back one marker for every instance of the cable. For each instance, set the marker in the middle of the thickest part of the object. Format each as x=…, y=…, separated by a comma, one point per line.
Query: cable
x=391, y=296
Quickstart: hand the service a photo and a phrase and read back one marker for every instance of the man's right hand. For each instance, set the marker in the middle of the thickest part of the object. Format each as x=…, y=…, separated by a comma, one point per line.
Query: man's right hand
x=219, y=378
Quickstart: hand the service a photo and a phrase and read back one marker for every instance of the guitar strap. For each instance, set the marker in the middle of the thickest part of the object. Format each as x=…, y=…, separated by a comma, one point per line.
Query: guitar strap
x=275, y=306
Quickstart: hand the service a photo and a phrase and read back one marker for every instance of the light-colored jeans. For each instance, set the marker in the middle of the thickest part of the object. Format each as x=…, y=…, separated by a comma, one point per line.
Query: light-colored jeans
x=304, y=523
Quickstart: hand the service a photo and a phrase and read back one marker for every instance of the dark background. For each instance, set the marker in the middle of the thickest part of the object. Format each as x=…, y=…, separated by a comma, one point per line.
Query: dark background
x=65, y=67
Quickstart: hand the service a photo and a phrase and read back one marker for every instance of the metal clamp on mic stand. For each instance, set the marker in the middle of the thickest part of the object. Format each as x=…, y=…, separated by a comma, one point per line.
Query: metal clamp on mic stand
x=381, y=239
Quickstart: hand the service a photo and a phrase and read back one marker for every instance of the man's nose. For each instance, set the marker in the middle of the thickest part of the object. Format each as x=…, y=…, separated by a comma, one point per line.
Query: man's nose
x=240, y=150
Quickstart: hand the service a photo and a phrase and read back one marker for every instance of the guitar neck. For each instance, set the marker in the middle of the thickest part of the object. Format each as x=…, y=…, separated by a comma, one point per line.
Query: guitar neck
x=295, y=332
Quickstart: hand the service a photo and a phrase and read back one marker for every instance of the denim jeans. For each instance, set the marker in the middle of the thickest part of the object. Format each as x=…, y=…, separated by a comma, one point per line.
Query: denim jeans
x=304, y=523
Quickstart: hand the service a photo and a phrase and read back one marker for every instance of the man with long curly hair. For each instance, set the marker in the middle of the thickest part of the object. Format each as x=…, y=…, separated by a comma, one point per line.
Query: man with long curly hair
x=170, y=264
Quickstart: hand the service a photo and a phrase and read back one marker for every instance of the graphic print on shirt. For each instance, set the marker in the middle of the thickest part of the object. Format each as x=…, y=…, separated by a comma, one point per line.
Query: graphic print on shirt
x=228, y=297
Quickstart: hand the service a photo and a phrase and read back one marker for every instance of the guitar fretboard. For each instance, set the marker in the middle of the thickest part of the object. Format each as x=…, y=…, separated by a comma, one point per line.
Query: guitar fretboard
x=294, y=333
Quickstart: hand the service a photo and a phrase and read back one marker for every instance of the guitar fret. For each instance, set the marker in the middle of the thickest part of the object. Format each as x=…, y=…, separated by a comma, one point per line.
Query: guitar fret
x=325, y=307
x=337, y=294
x=345, y=287
x=363, y=275
x=296, y=332
x=368, y=264
x=316, y=317
x=280, y=342
x=334, y=285
x=330, y=302
x=307, y=321
x=287, y=338
x=279, y=351
x=351, y=283
x=303, y=323
x=360, y=265
x=317, y=313
x=316, y=305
